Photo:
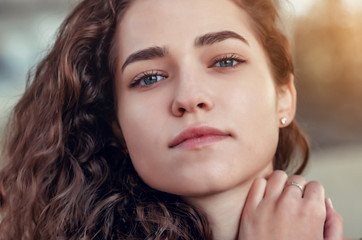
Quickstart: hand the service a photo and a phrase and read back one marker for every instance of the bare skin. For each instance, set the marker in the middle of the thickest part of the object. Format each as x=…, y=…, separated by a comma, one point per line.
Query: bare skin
x=273, y=207
x=186, y=85
x=273, y=211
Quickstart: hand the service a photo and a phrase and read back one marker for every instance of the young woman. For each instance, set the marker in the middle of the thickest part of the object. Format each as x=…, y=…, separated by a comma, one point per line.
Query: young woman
x=157, y=119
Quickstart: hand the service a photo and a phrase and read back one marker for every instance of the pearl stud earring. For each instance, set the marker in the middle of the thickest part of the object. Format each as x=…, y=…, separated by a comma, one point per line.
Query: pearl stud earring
x=283, y=120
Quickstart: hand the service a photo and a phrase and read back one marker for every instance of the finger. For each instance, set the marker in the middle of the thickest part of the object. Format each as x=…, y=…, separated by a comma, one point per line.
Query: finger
x=314, y=191
x=275, y=184
x=255, y=195
x=294, y=187
x=333, y=228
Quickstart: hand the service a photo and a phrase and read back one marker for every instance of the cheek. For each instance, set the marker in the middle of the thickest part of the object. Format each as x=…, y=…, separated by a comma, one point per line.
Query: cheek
x=134, y=121
x=143, y=126
x=252, y=100
x=254, y=113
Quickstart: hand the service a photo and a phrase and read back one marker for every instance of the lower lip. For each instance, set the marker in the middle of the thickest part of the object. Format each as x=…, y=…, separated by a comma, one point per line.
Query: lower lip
x=196, y=143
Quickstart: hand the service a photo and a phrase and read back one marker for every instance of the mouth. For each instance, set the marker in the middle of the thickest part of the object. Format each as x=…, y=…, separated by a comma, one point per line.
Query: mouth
x=196, y=137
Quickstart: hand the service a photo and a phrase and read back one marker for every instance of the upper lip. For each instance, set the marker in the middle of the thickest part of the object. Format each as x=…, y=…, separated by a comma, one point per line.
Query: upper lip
x=194, y=132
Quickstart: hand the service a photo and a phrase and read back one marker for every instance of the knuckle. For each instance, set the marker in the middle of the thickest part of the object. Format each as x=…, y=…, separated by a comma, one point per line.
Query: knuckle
x=339, y=219
x=278, y=174
x=315, y=187
x=298, y=179
x=315, y=209
x=259, y=181
x=315, y=184
x=246, y=217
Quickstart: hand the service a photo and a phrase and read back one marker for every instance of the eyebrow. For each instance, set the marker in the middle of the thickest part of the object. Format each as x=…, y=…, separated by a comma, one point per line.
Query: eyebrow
x=206, y=39
x=145, y=54
x=215, y=37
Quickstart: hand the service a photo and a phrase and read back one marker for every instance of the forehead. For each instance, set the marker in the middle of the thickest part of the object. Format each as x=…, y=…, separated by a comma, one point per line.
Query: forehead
x=162, y=22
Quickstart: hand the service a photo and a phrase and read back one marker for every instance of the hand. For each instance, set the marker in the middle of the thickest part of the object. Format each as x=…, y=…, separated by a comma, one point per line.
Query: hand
x=333, y=227
x=276, y=211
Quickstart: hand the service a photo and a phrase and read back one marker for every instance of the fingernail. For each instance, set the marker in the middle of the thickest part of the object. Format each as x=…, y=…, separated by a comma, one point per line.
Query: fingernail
x=330, y=202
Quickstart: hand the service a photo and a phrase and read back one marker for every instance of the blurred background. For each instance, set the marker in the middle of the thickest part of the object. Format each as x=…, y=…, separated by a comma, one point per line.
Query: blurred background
x=327, y=41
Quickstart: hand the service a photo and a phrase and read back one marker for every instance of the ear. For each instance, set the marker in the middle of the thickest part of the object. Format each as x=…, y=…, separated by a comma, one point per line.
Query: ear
x=287, y=99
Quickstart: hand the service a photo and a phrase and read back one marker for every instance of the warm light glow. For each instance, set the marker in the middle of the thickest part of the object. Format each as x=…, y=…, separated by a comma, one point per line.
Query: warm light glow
x=302, y=6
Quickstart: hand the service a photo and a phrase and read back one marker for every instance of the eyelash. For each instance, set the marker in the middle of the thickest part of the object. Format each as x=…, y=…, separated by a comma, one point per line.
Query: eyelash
x=137, y=81
x=232, y=57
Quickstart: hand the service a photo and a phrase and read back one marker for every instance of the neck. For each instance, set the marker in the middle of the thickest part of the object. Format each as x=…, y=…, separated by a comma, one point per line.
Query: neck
x=223, y=211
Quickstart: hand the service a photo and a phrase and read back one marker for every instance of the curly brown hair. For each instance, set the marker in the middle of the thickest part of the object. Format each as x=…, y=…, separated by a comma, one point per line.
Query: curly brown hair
x=68, y=174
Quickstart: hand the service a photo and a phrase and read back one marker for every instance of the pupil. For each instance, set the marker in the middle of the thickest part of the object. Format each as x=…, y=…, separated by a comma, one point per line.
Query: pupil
x=150, y=80
x=227, y=63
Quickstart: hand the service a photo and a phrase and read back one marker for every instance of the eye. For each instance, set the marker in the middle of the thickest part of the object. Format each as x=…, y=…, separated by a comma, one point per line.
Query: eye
x=228, y=61
x=146, y=79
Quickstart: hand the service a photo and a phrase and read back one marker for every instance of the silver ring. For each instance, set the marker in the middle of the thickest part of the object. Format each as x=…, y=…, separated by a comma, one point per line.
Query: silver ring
x=295, y=184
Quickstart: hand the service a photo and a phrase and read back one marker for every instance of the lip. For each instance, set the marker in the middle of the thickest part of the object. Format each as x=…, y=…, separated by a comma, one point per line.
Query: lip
x=196, y=137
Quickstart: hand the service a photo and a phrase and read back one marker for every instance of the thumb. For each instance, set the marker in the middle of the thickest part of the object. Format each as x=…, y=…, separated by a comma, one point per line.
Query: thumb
x=333, y=226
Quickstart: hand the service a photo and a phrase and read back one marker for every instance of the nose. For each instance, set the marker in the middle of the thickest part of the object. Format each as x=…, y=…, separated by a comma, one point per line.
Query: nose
x=191, y=95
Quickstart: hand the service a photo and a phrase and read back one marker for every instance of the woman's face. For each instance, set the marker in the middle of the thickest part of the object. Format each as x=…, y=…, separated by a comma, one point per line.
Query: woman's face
x=197, y=104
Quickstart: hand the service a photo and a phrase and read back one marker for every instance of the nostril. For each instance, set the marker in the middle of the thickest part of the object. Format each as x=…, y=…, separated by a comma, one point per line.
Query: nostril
x=182, y=110
x=201, y=105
